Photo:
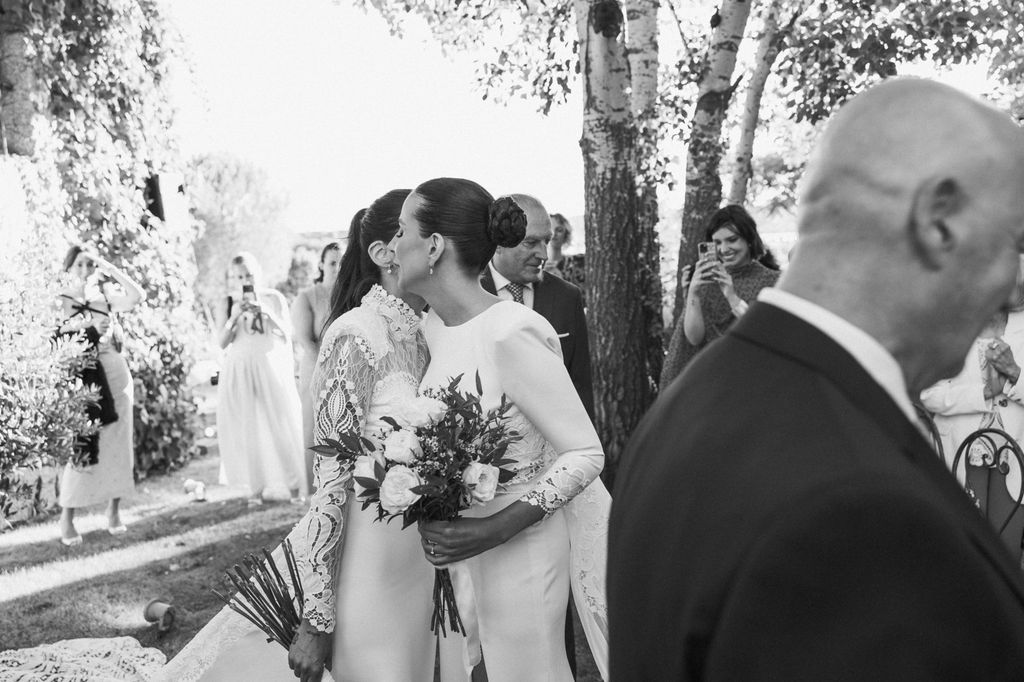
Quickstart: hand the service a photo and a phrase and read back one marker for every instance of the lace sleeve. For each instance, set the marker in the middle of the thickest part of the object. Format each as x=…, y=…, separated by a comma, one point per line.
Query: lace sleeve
x=343, y=382
x=528, y=357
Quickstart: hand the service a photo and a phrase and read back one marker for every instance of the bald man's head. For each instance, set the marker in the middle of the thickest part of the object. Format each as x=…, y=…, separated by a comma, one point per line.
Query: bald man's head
x=911, y=218
x=524, y=263
x=882, y=145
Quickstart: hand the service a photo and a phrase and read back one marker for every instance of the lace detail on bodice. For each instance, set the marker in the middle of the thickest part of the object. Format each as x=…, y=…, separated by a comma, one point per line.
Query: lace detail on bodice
x=371, y=356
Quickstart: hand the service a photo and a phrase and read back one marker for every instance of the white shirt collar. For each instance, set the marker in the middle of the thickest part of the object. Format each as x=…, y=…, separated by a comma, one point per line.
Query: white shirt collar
x=501, y=281
x=868, y=352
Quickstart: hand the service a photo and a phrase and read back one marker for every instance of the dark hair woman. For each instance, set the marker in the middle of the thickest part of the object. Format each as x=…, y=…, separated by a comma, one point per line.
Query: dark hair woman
x=89, y=305
x=450, y=229
x=358, y=272
x=724, y=283
x=309, y=313
x=368, y=590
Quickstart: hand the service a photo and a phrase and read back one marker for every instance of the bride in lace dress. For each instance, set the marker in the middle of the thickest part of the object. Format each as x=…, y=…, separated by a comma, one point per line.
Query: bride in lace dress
x=367, y=586
x=514, y=559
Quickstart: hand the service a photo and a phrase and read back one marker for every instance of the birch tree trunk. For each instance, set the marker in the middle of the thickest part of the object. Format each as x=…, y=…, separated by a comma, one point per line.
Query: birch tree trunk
x=614, y=244
x=704, y=153
x=642, y=53
x=773, y=40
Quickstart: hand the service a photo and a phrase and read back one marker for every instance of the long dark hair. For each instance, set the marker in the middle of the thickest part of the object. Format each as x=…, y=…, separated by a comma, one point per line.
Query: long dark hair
x=357, y=271
x=468, y=216
x=737, y=218
x=333, y=246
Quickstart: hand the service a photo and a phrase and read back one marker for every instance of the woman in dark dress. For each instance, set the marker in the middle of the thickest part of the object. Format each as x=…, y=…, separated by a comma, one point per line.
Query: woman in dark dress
x=722, y=287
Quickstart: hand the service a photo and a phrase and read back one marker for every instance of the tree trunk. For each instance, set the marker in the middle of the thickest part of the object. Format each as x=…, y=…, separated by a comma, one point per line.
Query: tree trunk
x=642, y=53
x=614, y=244
x=704, y=153
x=773, y=40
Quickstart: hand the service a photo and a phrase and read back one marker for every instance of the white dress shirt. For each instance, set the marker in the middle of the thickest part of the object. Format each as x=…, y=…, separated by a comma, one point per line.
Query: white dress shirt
x=869, y=353
x=501, y=280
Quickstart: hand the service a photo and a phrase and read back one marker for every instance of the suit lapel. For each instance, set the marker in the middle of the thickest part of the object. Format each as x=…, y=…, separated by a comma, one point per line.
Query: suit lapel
x=775, y=329
x=542, y=302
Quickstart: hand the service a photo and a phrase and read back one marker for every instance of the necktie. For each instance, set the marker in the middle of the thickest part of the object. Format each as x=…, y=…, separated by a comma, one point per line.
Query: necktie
x=516, y=290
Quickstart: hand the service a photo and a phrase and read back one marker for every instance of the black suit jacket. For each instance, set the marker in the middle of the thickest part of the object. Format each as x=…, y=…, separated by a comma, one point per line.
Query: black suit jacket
x=777, y=517
x=561, y=304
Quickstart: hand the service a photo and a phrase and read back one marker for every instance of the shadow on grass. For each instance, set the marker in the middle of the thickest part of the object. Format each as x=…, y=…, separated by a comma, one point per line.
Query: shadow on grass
x=111, y=604
x=173, y=521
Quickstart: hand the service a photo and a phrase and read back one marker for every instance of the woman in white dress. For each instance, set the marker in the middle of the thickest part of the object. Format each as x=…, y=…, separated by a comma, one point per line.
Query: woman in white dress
x=367, y=586
x=89, y=308
x=259, y=419
x=310, y=310
x=513, y=559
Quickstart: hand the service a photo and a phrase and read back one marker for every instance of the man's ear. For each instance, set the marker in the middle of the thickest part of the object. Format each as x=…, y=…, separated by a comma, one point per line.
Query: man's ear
x=936, y=205
x=380, y=254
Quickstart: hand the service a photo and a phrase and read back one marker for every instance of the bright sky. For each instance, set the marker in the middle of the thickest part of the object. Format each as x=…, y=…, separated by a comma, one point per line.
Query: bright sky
x=338, y=111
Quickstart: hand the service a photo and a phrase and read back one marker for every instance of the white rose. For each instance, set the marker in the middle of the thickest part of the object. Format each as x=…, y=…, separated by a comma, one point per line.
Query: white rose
x=435, y=409
x=402, y=446
x=363, y=468
x=395, y=493
x=482, y=480
x=420, y=412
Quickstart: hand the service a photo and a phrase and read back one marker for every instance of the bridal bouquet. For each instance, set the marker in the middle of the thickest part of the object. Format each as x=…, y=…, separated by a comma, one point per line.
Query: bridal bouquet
x=440, y=454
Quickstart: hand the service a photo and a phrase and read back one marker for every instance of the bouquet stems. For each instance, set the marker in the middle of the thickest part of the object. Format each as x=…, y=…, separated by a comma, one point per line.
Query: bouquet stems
x=445, y=608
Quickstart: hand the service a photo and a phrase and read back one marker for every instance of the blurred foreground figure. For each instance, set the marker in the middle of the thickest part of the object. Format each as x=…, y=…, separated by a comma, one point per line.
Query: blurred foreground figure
x=779, y=514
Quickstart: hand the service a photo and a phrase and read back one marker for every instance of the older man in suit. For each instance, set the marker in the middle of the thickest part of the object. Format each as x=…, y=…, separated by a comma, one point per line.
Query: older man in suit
x=517, y=274
x=779, y=515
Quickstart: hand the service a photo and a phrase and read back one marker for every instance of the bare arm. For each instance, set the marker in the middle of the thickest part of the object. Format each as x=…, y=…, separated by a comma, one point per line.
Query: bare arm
x=302, y=323
x=133, y=293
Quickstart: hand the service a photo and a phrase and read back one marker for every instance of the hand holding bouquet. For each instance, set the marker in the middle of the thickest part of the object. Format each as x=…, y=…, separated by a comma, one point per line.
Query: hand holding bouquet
x=440, y=454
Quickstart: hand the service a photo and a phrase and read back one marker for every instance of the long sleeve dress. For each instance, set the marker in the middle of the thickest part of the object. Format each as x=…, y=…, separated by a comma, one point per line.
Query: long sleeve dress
x=512, y=598
x=367, y=582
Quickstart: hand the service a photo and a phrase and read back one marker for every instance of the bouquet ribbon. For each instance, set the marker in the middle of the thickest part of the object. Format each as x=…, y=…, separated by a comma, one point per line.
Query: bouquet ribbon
x=465, y=597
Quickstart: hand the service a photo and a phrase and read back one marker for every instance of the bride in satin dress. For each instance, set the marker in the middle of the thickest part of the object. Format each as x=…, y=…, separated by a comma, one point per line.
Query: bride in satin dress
x=513, y=560
x=367, y=585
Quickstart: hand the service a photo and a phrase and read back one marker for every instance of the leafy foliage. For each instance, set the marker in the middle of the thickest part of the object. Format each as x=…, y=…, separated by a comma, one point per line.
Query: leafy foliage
x=100, y=65
x=236, y=209
x=42, y=402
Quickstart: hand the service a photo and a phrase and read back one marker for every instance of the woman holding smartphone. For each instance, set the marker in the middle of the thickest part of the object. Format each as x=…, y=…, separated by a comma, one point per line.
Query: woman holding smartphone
x=259, y=420
x=733, y=266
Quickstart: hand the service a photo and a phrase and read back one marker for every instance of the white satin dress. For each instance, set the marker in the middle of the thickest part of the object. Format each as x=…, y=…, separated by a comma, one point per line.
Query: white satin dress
x=512, y=598
x=366, y=581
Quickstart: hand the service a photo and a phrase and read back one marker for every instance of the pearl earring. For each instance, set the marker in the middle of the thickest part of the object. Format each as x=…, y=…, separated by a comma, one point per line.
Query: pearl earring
x=431, y=269
x=391, y=268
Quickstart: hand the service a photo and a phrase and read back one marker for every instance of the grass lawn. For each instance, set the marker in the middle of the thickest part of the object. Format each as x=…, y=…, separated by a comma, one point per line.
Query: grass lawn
x=175, y=550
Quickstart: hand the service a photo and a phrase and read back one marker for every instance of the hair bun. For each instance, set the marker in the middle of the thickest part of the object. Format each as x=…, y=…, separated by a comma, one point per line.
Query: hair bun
x=506, y=222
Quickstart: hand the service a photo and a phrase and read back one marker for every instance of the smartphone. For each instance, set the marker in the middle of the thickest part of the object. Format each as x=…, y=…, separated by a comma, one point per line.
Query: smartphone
x=706, y=251
x=248, y=293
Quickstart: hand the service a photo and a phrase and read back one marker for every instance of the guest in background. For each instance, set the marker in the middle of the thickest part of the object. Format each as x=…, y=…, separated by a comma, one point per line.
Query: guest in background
x=89, y=304
x=568, y=267
x=986, y=392
x=722, y=287
x=259, y=418
x=309, y=313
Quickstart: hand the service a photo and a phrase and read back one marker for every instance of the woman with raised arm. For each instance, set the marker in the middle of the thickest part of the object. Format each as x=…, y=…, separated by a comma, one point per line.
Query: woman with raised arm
x=98, y=290
x=513, y=559
x=367, y=587
x=724, y=284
